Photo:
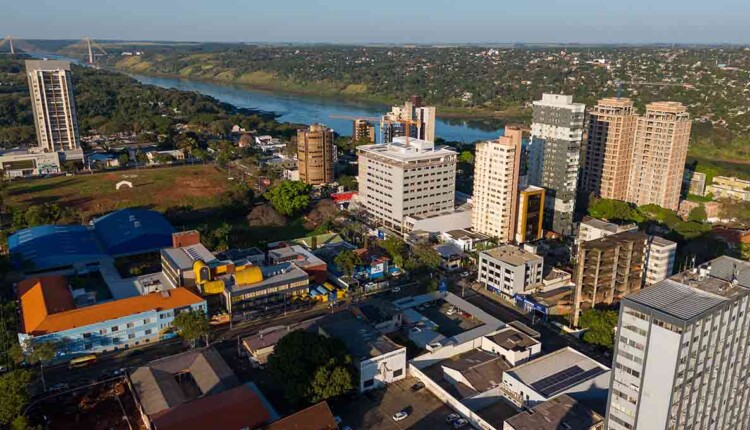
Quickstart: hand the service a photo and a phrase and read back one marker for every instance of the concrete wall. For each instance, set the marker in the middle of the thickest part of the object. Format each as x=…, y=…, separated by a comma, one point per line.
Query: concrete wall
x=381, y=369
x=660, y=366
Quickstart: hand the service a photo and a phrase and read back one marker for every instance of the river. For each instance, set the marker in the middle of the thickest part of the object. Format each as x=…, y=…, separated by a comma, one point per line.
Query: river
x=307, y=109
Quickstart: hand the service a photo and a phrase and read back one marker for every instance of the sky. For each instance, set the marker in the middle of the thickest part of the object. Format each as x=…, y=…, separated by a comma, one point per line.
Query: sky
x=383, y=21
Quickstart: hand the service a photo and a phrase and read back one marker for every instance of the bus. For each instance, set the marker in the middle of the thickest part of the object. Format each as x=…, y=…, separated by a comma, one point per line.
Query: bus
x=84, y=361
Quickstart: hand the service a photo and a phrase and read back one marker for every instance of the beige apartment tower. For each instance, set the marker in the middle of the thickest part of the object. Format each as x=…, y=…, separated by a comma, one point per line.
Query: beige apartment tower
x=363, y=131
x=659, y=152
x=495, y=198
x=315, y=154
x=608, y=149
x=54, y=110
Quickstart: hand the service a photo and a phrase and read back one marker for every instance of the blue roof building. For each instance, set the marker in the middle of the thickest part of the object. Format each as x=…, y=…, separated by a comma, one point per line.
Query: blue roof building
x=51, y=246
x=123, y=232
x=133, y=231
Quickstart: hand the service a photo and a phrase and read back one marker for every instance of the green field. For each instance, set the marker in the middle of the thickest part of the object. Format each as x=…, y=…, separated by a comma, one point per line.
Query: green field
x=199, y=187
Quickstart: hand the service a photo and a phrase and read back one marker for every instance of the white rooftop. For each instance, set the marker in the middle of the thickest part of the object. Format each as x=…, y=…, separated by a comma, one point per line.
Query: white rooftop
x=417, y=149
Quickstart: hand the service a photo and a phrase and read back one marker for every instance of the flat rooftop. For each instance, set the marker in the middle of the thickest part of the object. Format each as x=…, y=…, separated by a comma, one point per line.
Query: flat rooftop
x=557, y=372
x=361, y=339
x=660, y=241
x=607, y=242
x=398, y=150
x=693, y=293
x=561, y=412
x=513, y=340
x=482, y=369
x=601, y=224
x=278, y=274
x=512, y=255
x=466, y=234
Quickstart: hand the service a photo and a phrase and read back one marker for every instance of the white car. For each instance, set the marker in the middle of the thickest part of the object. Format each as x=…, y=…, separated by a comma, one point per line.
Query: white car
x=460, y=423
x=451, y=311
x=396, y=289
x=400, y=416
x=464, y=274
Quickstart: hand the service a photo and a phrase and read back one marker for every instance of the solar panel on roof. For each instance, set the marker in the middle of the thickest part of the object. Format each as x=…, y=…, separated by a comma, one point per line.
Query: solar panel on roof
x=563, y=379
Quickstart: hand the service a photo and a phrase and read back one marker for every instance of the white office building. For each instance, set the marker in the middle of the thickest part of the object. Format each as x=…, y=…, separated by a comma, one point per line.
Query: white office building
x=398, y=180
x=681, y=352
x=659, y=259
x=509, y=270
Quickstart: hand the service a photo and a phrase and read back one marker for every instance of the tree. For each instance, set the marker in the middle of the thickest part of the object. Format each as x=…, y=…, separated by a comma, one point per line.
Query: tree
x=324, y=212
x=466, y=157
x=394, y=246
x=123, y=159
x=14, y=394
x=614, y=210
x=427, y=256
x=698, y=214
x=348, y=261
x=311, y=367
x=265, y=216
x=192, y=326
x=35, y=352
x=348, y=182
x=246, y=140
x=289, y=197
x=600, y=325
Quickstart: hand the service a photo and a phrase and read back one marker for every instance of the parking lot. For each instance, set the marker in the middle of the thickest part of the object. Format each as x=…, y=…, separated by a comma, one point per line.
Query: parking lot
x=375, y=409
x=449, y=325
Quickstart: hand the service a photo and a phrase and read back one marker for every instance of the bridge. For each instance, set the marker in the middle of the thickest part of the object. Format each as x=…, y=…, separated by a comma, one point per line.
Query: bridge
x=11, y=46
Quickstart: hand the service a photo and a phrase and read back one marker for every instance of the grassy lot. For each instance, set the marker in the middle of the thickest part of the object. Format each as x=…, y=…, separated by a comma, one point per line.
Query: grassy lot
x=200, y=187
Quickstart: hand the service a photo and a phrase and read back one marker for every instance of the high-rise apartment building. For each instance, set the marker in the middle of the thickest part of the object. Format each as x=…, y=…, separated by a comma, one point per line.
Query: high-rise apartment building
x=659, y=153
x=315, y=154
x=495, y=197
x=660, y=255
x=363, y=131
x=554, y=157
x=681, y=352
x=397, y=180
x=608, y=148
x=421, y=121
x=51, y=91
x=608, y=269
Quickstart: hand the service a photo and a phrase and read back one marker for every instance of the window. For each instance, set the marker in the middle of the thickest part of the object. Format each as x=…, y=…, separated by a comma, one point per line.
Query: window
x=86, y=335
x=398, y=372
x=115, y=328
x=131, y=336
x=130, y=325
x=368, y=383
x=148, y=331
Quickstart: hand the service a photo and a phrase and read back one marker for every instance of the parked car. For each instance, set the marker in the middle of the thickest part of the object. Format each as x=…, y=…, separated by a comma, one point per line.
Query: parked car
x=415, y=330
x=460, y=423
x=416, y=387
x=452, y=417
x=396, y=289
x=337, y=419
x=58, y=387
x=451, y=311
x=400, y=416
x=464, y=274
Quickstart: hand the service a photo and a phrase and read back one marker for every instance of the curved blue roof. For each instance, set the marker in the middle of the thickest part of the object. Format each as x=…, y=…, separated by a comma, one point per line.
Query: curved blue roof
x=49, y=246
x=131, y=231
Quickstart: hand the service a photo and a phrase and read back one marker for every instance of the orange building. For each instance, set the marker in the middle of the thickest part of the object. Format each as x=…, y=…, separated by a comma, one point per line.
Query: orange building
x=315, y=154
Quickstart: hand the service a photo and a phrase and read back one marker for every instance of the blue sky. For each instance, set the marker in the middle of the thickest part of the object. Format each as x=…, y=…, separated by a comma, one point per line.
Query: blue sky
x=387, y=21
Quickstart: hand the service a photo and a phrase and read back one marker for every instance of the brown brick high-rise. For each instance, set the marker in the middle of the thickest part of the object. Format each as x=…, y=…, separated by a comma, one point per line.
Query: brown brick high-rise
x=659, y=152
x=315, y=154
x=608, y=150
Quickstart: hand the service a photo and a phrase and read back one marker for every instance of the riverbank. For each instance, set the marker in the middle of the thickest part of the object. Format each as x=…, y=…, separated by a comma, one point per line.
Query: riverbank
x=262, y=81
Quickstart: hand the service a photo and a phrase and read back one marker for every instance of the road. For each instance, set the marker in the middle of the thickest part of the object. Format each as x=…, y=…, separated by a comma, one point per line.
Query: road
x=109, y=362
x=551, y=337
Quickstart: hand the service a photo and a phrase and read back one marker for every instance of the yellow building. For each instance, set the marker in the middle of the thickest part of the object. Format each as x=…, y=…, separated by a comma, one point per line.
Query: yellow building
x=530, y=214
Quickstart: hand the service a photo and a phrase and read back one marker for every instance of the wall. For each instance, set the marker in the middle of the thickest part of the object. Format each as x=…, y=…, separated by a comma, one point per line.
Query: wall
x=660, y=366
x=381, y=369
x=459, y=219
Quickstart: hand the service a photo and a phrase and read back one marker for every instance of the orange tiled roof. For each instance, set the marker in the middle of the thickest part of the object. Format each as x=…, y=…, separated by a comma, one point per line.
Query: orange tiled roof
x=41, y=322
x=41, y=297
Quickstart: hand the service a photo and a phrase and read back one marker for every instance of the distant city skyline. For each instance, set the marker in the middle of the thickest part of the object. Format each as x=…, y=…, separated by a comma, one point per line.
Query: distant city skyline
x=388, y=21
